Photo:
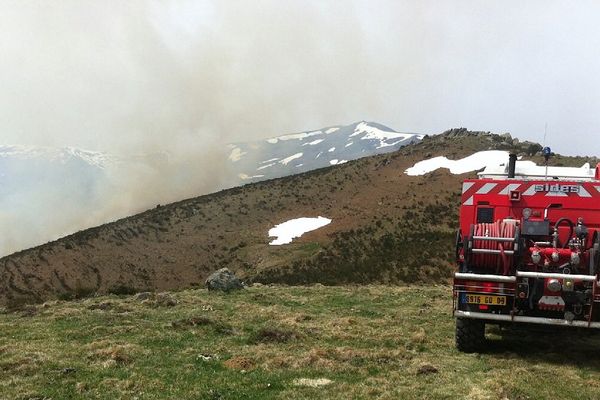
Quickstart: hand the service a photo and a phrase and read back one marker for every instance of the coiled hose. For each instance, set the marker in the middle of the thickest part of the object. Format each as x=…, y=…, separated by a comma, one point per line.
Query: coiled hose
x=498, y=262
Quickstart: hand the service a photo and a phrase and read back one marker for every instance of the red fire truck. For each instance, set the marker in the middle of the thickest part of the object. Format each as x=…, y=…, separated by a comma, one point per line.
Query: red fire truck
x=528, y=249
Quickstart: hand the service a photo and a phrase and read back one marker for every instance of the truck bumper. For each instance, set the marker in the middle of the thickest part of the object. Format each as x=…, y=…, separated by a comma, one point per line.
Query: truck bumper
x=511, y=317
x=529, y=320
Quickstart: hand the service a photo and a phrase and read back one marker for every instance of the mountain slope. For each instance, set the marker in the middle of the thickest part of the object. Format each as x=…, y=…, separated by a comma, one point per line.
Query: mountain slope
x=301, y=152
x=386, y=226
x=48, y=192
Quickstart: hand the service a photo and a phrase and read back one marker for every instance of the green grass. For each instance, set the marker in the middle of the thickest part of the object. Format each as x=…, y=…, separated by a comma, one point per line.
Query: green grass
x=370, y=341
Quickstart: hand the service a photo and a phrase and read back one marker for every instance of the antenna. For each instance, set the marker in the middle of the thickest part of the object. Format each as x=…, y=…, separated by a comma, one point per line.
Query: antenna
x=545, y=132
x=546, y=151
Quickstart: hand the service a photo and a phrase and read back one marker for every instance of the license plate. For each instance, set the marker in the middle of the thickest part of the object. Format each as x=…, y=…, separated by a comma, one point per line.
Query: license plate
x=483, y=299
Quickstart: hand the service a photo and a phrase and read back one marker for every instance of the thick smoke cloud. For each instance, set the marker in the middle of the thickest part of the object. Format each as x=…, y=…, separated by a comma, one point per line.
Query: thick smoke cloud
x=186, y=77
x=138, y=75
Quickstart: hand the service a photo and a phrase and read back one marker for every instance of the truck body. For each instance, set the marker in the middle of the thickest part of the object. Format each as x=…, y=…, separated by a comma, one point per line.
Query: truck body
x=528, y=250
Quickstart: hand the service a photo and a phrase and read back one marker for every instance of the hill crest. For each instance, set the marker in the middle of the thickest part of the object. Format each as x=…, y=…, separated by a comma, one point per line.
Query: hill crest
x=386, y=227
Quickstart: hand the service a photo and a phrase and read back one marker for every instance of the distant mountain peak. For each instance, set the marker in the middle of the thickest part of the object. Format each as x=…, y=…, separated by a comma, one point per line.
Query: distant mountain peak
x=56, y=154
x=304, y=151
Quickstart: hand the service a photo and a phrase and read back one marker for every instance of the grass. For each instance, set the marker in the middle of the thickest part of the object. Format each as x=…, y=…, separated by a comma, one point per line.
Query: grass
x=279, y=342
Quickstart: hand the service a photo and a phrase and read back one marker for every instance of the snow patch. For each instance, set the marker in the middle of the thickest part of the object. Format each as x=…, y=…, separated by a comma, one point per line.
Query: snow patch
x=285, y=161
x=294, y=228
x=331, y=150
x=349, y=144
x=335, y=161
x=294, y=136
x=378, y=134
x=384, y=137
x=236, y=154
x=331, y=130
x=473, y=162
x=383, y=144
x=265, y=166
x=313, y=143
x=246, y=177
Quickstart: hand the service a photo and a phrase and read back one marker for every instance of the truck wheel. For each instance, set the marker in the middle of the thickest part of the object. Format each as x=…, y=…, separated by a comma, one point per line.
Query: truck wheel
x=470, y=335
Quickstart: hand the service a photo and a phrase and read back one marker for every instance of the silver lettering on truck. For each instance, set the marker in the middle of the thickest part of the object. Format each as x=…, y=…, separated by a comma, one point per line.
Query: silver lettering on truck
x=556, y=188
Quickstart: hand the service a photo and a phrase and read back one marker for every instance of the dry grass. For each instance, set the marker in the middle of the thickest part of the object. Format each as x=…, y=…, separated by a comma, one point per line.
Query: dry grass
x=282, y=343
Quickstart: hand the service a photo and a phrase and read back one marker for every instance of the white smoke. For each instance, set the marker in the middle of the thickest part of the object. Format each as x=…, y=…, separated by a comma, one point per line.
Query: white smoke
x=185, y=77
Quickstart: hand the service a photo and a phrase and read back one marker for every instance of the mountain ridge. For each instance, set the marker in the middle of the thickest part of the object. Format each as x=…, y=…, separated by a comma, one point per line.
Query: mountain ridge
x=301, y=152
x=378, y=214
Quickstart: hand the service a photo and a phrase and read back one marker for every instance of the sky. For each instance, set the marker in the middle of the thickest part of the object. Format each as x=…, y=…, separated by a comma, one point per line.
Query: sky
x=141, y=76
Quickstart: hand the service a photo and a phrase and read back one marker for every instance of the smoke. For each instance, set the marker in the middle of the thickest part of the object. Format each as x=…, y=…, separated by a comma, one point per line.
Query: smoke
x=140, y=75
x=184, y=78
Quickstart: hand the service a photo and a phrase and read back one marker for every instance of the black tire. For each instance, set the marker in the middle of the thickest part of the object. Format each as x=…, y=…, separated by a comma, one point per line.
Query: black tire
x=595, y=260
x=470, y=335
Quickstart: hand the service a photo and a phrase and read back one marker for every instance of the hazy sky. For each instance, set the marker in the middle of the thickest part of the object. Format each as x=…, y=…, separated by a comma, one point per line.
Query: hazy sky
x=128, y=76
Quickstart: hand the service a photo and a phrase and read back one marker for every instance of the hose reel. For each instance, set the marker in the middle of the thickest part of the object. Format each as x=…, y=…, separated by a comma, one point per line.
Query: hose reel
x=493, y=246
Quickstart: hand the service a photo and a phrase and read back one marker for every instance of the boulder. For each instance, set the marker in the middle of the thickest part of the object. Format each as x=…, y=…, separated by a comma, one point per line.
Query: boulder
x=223, y=280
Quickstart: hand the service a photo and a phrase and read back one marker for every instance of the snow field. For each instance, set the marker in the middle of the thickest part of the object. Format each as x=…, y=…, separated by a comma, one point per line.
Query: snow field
x=294, y=228
x=476, y=161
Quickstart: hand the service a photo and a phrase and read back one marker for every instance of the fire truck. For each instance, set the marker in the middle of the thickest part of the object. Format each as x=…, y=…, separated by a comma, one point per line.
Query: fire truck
x=528, y=249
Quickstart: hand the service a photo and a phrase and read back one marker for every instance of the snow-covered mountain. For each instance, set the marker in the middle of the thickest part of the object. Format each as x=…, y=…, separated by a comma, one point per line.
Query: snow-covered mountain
x=61, y=155
x=48, y=192
x=306, y=151
x=29, y=170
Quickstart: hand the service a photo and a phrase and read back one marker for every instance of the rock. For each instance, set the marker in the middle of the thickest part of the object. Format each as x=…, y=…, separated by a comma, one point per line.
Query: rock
x=427, y=369
x=223, y=280
x=165, y=300
x=144, y=296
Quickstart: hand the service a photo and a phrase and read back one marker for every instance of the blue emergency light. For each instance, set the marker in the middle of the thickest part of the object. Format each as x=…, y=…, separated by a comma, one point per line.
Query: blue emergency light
x=547, y=152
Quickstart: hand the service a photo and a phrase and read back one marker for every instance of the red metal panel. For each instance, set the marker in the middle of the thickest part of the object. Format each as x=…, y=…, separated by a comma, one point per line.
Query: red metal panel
x=537, y=195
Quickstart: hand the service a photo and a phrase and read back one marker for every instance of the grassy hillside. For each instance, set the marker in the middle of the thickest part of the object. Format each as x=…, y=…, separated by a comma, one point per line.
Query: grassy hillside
x=312, y=342
x=387, y=227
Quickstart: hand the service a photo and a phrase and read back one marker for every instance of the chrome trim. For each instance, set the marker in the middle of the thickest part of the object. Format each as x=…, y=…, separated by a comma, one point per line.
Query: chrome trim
x=527, y=274
x=518, y=318
x=486, y=251
x=484, y=277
